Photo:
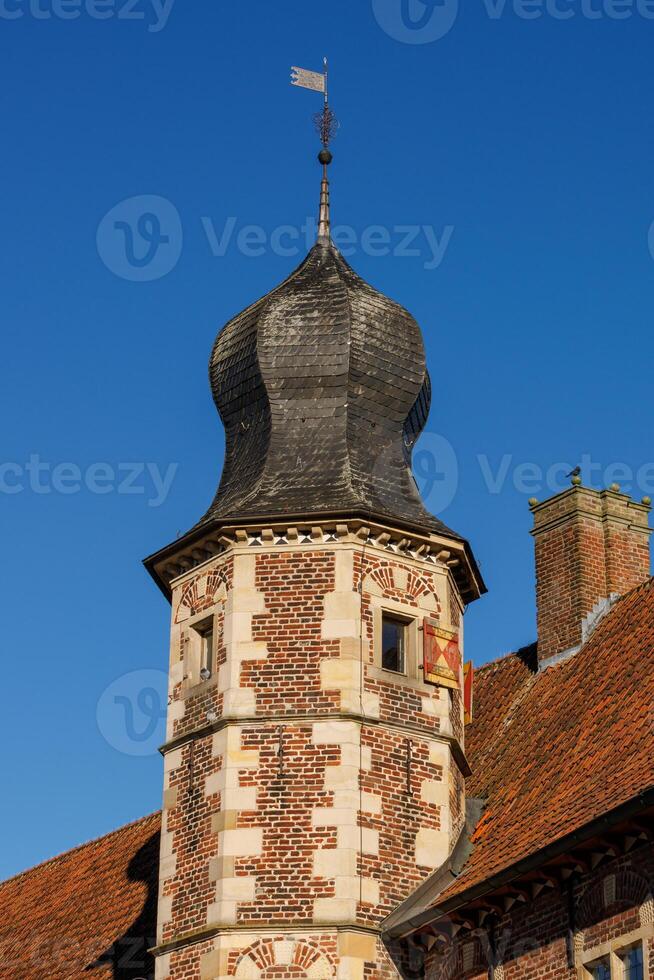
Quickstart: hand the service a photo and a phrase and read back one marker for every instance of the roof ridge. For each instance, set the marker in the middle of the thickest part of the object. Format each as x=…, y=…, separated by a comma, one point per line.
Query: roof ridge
x=79, y=847
x=637, y=588
x=503, y=657
x=606, y=617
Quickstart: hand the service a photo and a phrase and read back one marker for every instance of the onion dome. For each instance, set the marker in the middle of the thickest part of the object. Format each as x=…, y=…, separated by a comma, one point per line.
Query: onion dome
x=323, y=390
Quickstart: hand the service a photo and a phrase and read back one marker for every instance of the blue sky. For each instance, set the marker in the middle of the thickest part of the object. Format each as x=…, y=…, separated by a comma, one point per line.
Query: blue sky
x=511, y=141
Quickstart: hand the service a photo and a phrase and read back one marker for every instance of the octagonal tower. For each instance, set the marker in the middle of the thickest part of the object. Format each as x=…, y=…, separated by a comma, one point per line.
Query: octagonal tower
x=315, y=757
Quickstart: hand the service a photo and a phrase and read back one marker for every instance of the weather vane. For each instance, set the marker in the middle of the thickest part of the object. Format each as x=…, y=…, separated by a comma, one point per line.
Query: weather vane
x=326, y=122
x=327, y=127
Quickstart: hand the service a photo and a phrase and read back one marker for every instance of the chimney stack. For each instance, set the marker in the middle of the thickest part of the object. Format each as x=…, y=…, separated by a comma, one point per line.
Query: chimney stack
x=590, y=545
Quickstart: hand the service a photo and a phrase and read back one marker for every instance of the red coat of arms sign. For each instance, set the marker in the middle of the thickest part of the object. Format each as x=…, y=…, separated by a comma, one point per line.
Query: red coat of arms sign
x=441, y=655
x=468, y=682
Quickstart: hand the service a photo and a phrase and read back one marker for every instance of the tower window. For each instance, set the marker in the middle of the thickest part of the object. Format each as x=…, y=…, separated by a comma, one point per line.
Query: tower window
x=626, y=963
x=205, y=632
x=632, y=963
x=393, y=644
x=601, y=970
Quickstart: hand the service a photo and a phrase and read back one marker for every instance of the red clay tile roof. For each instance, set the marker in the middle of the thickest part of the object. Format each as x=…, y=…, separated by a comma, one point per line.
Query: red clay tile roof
x=89, y=913
x=555, y=750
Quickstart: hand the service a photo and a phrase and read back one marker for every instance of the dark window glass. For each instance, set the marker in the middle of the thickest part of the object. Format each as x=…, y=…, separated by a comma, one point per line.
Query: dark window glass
x=601, y=970
x=393, y=643
x=207, y=649
x=633, y=963
x=205, y=632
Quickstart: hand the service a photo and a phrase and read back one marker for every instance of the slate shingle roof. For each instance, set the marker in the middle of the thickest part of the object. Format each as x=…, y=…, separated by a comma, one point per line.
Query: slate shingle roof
x=322, y=388
x=88, y=913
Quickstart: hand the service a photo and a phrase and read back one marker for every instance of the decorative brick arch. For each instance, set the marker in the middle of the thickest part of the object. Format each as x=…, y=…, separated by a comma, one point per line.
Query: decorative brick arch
x=612, y=894
x=390, y=581
x=204, y=591
x=451, y=960
x=283, y=959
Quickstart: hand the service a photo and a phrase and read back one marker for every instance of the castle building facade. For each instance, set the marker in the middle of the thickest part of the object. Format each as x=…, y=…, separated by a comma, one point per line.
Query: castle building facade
x=340, y=801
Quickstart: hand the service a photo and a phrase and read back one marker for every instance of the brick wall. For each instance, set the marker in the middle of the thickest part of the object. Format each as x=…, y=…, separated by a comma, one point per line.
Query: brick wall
x=614, y=907
x=589, y=544
x=307, y=791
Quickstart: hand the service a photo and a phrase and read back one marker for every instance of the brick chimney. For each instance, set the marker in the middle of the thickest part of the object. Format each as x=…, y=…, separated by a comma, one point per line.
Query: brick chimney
x=590, y=545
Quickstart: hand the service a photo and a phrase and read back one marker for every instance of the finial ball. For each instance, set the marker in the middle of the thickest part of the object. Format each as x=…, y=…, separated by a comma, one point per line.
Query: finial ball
x=533, y=501
x=615, y=487
x=576, y=481
x=325, y=157
x=647, y=501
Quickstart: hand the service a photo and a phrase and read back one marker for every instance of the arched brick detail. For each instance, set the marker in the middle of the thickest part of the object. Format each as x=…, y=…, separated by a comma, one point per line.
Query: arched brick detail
x=420, y=588
x=453, y=961
x=470, y=958
x=391, y=580
x=204, y=591
x=611, y=895
x=279, y=959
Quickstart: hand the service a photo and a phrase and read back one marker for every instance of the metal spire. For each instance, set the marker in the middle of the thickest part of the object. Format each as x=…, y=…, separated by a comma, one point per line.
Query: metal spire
x=327, y=126
x=324, y=213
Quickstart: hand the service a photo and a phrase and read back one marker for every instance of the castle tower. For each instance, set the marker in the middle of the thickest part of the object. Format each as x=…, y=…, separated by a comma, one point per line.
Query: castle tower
x=314, y=761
